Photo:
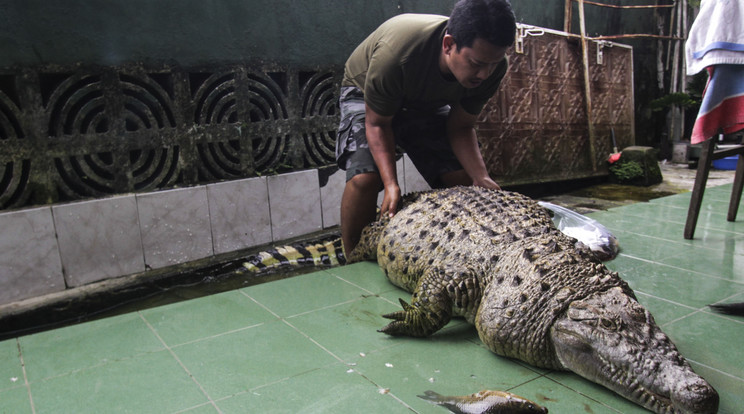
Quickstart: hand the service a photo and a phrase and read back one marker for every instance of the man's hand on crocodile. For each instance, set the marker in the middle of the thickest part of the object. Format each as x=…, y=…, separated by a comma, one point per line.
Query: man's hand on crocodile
x=487, y=182
x=390, y=201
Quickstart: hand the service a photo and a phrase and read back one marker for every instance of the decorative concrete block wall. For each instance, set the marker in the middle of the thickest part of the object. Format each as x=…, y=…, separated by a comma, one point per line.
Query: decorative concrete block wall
x=53, y=248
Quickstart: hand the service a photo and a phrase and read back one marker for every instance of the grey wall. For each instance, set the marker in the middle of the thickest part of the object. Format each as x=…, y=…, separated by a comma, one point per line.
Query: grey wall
x=194, y=32
x=190, y=32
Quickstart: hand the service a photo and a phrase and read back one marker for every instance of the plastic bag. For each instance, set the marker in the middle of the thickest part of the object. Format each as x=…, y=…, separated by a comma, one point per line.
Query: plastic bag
x=588, y=231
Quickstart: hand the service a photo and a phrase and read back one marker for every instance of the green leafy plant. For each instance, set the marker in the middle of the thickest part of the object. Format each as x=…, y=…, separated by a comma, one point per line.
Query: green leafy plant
x=626, y=171
x=678, y=98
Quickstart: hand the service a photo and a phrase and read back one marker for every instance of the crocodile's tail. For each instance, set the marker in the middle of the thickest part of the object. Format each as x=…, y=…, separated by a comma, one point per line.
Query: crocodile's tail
x=326, y=253
x=729, y=308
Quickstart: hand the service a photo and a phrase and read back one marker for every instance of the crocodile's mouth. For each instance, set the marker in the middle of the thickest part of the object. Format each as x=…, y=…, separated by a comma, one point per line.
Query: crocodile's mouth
x=654, y=401
x=621, y=381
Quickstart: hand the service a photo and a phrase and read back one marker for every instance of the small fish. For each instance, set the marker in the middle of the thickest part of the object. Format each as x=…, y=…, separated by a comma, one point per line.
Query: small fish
x=485, y=402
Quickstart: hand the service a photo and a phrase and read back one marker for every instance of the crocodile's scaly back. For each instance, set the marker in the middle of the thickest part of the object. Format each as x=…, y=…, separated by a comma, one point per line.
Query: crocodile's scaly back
x=366, y=249
x=500, y=253
x=535, y=283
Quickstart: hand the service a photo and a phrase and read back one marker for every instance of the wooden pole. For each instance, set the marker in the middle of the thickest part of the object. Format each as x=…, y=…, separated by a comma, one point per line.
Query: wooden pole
x=634, y=35
x=671, y=42
x=674, y=80
x=613, y=6
x=567, y=16
x=659, y=51
x=683, y=64
x=587, y=87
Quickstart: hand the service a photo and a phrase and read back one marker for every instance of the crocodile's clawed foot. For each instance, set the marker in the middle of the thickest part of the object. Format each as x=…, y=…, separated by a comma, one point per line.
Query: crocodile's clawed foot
x=400, y=315
x=396, y=328
x=412, y=321
x=399, y=327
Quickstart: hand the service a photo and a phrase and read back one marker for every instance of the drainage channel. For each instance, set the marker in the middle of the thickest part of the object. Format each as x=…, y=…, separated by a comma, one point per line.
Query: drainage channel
x=143, y=291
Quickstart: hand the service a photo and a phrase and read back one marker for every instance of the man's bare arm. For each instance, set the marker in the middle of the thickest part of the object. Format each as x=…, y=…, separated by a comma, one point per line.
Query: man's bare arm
x=382, y=146
x=464, y=142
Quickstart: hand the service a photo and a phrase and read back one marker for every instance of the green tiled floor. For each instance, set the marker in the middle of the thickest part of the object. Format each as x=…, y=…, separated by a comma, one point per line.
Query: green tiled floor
x=309, y=343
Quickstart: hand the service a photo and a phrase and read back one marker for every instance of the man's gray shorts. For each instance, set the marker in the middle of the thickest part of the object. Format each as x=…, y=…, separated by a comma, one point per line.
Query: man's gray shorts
x=423, y=135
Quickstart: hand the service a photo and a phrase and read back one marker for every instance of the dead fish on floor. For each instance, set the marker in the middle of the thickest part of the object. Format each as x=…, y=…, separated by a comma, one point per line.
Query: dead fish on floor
x=485, y=402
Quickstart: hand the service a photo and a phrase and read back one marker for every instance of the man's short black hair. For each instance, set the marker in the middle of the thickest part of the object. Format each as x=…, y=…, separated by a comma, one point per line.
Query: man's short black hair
x=490, y=20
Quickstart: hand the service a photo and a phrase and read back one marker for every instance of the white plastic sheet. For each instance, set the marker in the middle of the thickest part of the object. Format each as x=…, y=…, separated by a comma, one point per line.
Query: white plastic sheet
x=588, y=231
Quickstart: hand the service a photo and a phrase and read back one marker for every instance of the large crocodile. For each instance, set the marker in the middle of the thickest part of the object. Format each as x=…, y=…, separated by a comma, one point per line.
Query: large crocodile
x=496, y=259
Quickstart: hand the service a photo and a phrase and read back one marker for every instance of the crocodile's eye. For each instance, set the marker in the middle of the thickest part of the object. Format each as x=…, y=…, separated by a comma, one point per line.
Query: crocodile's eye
x=606, y=323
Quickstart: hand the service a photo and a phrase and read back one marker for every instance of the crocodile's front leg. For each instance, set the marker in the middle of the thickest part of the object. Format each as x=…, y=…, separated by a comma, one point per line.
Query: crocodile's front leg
x=439, y=291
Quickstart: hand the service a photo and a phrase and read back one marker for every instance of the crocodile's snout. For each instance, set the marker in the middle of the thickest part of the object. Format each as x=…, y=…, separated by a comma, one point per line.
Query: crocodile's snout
x=695, y=396
x=610, y=339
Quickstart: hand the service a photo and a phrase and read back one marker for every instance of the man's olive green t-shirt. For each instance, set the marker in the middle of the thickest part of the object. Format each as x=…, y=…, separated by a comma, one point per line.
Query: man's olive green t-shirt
x=397, y=66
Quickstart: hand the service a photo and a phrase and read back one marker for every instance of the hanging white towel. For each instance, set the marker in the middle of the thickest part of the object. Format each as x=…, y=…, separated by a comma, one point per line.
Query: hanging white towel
x=716, y=36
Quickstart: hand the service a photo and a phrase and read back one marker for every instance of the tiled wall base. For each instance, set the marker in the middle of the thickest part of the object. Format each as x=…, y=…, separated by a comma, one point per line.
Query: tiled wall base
x=49, y=249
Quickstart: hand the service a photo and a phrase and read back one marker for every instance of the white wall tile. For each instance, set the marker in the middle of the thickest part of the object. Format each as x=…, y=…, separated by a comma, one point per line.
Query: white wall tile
x=330, y=198
x=175, y=226
x=99, y=239
x=239, y=213
x=108, y=238
x=294, y=201
x=29, y=259
x=414, y=181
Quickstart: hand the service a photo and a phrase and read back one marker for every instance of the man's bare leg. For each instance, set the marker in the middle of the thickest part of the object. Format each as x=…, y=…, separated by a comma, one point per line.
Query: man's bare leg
x=358, y=207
